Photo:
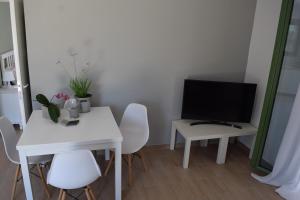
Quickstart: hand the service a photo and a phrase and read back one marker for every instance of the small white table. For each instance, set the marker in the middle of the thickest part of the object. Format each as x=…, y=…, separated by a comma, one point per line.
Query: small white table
x=208, y=131
x=96, y=130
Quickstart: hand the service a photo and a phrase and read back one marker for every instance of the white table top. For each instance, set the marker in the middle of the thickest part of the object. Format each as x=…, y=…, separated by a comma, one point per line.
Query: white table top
x=211, y=131
x=97, y=126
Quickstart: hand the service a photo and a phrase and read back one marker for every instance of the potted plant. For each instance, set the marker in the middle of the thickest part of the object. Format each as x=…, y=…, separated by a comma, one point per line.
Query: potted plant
x=79, y=83
x=80, y=87
x=49, y=109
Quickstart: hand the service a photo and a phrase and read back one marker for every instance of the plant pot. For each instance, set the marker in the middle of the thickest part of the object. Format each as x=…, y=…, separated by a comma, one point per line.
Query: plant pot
x=45, y=112
x=84, y=104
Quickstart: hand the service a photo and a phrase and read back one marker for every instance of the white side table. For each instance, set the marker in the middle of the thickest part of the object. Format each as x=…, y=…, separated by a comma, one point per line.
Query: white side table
x=209, y=131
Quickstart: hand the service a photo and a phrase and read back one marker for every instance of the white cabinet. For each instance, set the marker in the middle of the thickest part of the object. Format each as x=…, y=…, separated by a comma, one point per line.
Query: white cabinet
x=9, y=105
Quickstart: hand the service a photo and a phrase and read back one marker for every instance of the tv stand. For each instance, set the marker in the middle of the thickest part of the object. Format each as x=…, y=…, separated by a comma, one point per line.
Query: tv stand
x=215, y=123
x=204, y=133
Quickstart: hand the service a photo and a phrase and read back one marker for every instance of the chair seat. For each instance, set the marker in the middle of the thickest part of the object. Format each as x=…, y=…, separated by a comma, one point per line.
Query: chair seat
x=134, y=128
x=132, y=141
x=10, y=139
x=135, y=131
x=73, y=170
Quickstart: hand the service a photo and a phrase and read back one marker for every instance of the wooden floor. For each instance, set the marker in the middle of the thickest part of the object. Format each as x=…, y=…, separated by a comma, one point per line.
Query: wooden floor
x=166, y=179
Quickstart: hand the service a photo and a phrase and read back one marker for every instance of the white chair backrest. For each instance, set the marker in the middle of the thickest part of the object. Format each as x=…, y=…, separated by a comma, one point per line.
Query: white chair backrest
x=72, y=170
x=10, y=139
x=134, y=128
x=7, y=61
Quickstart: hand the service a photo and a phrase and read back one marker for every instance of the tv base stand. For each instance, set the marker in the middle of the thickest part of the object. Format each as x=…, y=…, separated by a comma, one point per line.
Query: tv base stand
x=215, y=123
x=206, y=132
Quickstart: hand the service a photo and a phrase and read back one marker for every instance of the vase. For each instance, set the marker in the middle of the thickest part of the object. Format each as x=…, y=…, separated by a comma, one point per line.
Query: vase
x=45, y=112
x=73, y=112
x=59, y=102
x=84, y=104
x=72, y=105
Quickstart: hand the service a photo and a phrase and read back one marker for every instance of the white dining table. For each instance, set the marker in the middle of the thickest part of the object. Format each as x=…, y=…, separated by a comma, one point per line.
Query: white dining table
x=96, y=130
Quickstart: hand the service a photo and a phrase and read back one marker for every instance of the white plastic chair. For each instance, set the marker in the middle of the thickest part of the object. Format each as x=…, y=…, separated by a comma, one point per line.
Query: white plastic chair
x=135, y=130
x=73, y=170
x=10, y=140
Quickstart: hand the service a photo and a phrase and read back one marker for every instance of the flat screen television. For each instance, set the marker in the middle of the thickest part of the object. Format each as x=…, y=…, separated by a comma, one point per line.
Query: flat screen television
x=218, y=101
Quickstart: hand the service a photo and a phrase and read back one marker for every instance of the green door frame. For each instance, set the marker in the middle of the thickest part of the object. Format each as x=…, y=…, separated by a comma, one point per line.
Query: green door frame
x=276, y=65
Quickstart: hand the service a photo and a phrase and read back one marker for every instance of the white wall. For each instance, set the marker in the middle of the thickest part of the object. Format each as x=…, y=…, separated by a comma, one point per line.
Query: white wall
x=5, y=28
x=141, y=50
x=260, y=52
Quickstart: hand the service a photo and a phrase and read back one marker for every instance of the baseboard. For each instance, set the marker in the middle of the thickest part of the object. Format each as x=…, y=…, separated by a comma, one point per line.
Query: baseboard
x=243, y=147
x=180, y=145
x=158, y=146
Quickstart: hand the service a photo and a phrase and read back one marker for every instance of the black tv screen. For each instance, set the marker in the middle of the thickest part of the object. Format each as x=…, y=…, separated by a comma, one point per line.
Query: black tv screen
x=220, y=101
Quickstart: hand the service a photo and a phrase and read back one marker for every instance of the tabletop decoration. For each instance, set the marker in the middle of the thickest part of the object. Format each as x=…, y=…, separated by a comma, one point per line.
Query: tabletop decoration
x=79, y=83
x=72, y=106
x=80, y=86
x=59, y=99
x=49, y=109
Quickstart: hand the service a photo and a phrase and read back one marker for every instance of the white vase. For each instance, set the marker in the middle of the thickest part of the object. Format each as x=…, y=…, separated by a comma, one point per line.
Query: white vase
x=45, y=112
x=84, y=104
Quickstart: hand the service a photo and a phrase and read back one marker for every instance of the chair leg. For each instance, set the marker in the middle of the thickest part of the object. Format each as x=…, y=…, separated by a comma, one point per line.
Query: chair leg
x=91, y=192
x=64, y=195
x=141, y=154
x=60, y=194
x=15, y=182
x=88, y=196
x=112, y=157
x=43, y=180
x=129, y=157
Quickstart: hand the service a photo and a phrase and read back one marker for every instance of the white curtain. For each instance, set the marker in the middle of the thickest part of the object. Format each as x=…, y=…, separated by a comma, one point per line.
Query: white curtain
x=286, y=171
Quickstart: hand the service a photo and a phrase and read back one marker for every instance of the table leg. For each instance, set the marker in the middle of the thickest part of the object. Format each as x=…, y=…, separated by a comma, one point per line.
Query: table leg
x=223, y=143
x=107, y=154
x=173, y=137
x=118, y=164
x=186, y=156
x=26, y=177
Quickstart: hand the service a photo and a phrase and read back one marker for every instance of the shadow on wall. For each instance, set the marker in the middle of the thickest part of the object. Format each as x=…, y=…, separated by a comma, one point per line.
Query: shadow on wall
x=156, y=116
x=138, y=87
x=162, y=96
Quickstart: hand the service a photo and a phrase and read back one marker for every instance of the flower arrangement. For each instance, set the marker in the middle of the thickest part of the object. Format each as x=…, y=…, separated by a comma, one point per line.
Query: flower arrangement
x=53, y=110
x=59, y=99
x=79, y=83
x=61, y=96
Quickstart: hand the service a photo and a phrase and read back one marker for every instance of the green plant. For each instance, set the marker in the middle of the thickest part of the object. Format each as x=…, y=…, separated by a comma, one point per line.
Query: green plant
x=53, y=110
x=80, y=86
